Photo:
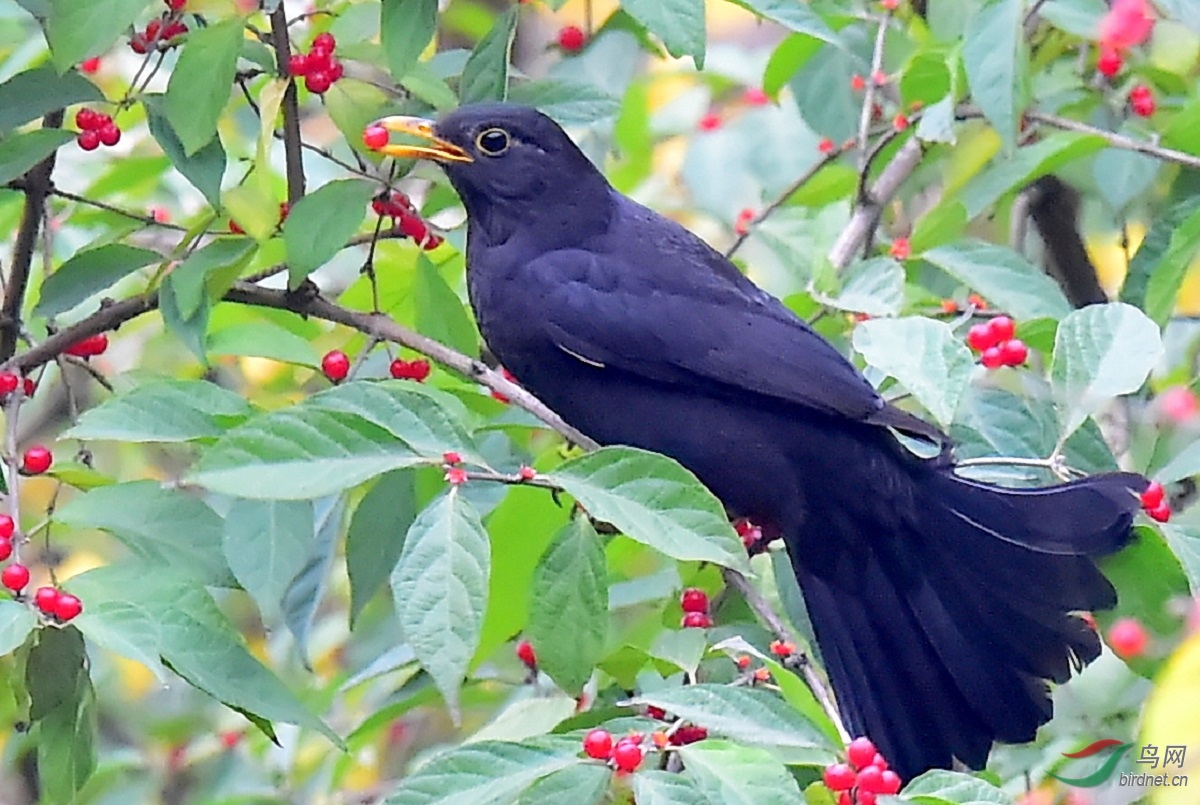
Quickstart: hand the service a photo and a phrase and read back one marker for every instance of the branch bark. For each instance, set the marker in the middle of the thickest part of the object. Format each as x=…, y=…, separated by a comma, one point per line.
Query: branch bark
x=291, y=107
x=867, y=211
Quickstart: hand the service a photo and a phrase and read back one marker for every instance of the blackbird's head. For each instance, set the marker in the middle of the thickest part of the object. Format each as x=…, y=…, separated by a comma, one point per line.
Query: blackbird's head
x=512, y=165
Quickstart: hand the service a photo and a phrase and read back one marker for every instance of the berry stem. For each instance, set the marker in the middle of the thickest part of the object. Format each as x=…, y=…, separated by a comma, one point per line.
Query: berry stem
x=13, y=460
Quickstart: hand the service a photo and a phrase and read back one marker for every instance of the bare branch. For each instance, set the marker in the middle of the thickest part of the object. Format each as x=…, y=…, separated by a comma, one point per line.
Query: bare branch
x=291, y=107
x=867, y=211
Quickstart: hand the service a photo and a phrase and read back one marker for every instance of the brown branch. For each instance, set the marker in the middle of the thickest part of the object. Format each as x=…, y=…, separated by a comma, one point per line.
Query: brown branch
x=291, y=107
x=37, y=186
x=1117, y=140
x=867, y=211
x=868, y=107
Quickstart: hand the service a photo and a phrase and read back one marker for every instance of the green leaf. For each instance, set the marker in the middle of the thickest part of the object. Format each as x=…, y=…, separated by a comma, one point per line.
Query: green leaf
x=200, y=83
x=263, y=339
x=21, y=152
x=924, y=355
x=16, y=622
x=1003, y=277
x=120, y=626
x=305, y=591
x=253, y=208
x=1184, y=541
x=483, y=773
x=667, y=788
x=581, y=784
x=742, y=714
x=77, y=30
x=165, y=527
x=956, y=787
x=654, y=500
x=441, y=315
x=570, y=585
x=376, y=535
x=738, y=775
x=204, y=168
x=570, y=103
x=1184, y=464
x=191, y=330
x=88, y=273
x=1100, y=352
x=874, y=286
x=678, y=23
x=62, y=707
x=440, y=588
x=1026, y=164
x=405, y=29
x=1168, y=273
x=993, y=55
x=31, y=94
x=188, y=283
x=266, y=543
x=163, y=411
x=527, y=718
x=1150, y=576
x=485, y=76
x=1122, y=175
x=796, y=17
x=319, y=225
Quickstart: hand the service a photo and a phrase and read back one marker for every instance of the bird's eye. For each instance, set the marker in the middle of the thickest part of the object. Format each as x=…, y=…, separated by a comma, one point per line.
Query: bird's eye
x=492, y=142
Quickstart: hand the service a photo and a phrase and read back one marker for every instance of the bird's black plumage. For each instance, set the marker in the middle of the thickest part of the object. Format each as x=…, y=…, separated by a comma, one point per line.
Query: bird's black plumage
x=941, y=605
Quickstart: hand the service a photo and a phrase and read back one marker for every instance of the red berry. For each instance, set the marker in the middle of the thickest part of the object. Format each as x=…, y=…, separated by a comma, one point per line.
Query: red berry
x=324, y=41
x=375, y=137
x=890, y=782
x=1160, y=513
x=992, y=358
x=36, y=460
x=869, y=779
x=867, y=798
x=153, y=29
x=7, y=527
x=456, y=476
x=783, y=648
x=826, y=146
x=1153, y=496
x=696, y=620
x=709, y=122
x=138, y=44
x=15, y=577
x=284, y=209
x=858, y=83
x=694, y=599
x=525, y=653
x=1109, y=63
x=176, y=5
x=451, y=457
x=889, y=5
x=949, y=306
x=627, y=755
x=87, y=118
x=416, y=370
x=173, y=30
x=900, y=122
x=527, y=473
x=335, y=71
x=110, y=134
x=844, y=798
x=743, y=661
x=6, y=548
x=879, y=762
x=1126, y=637
x=901, y=249
x=45, y=598
x=1014, y=352
x=90, y=66
x=756, y=97
x=839, y=777
x=297, y=64
x=598, y=744
x=88, y=140
x=571, y=38
x=28, y=387
x=67, y=607
x=335, y=365
x=92, y=345
x=1141, y=100
x=318, y=60
x=977, y=301
x=1002, y=328
x=413, y=227
x=8, y=382
x=860, y=752
x=980, y=337
x=689, y=734
x=318, y=82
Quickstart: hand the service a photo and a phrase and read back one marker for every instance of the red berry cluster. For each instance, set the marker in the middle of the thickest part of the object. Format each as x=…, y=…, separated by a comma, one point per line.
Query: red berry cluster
x=1155, y=503
x=417, y=370
x=9, y=383
x=456, y=475
x=159, y=33
x=694, y=603
x=571, y=38
x=36, y=460
x=95, y=129
x=996, y=343
x=1128, y=639
x=864, y=777
x=318, y=67
x=624, y=756
x=89, y=347
x=55, y=603
x=408, y=221
x=1141, y=101
x=335, y=365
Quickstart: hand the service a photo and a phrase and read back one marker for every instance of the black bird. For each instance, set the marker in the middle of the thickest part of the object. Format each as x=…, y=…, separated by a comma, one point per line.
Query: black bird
x=941, y=605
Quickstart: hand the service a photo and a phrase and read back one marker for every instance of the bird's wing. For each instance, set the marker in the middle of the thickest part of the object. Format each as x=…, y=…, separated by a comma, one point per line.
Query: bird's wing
x=605, y=312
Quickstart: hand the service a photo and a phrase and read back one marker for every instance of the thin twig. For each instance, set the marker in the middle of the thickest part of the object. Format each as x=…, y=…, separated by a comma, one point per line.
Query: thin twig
x=149, y=220
x=291, y=106
x=37, y=186
x=867, y=211
x=868, y=107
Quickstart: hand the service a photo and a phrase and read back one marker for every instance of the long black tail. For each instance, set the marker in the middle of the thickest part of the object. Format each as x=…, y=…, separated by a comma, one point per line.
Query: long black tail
x=941, y=625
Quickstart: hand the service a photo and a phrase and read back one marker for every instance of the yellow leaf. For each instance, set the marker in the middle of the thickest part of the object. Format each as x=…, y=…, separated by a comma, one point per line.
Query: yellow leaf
x=1172, y=718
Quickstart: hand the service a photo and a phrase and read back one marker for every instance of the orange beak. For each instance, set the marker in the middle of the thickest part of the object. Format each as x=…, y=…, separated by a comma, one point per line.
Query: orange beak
x=435, y=148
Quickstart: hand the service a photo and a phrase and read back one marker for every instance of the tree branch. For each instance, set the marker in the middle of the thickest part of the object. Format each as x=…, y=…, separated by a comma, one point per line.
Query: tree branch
x=37, y=186
x=291, y=107
x=867, y=211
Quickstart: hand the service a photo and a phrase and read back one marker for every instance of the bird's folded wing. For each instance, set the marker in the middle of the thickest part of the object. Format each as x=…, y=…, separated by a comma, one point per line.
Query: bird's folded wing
x=694, y=333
